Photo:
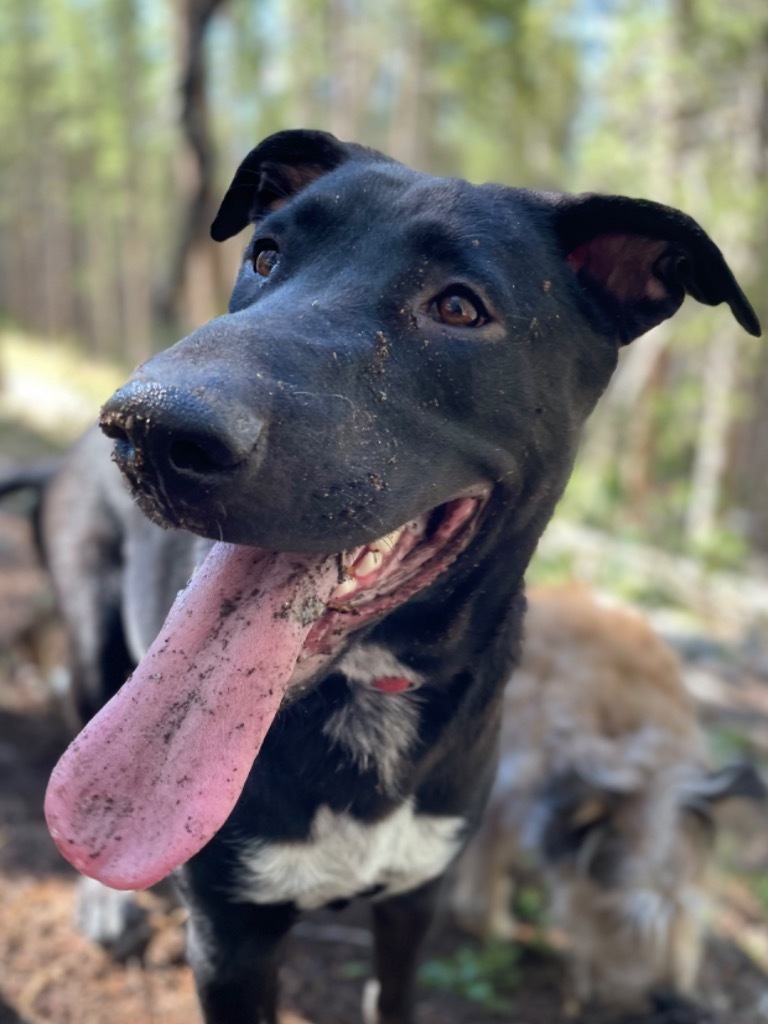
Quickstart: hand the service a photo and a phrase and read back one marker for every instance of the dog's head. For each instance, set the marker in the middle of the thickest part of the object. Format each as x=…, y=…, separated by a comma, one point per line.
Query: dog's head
x=402, y=377
x=628, y=864
x=394, y=342
x=406, y=364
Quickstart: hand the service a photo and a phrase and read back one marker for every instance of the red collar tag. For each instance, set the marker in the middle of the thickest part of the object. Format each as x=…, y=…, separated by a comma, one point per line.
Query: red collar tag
x=392, y=684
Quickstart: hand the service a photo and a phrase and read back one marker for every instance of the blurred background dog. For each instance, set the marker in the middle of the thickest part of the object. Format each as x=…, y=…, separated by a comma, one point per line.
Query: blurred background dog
x=605, y=788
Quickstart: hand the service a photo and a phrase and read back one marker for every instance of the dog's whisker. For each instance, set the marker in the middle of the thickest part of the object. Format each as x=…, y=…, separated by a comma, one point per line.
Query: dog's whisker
x=327, y=394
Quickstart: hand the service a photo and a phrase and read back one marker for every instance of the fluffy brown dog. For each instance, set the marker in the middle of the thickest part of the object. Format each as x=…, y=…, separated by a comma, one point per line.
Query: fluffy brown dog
x=603, y=785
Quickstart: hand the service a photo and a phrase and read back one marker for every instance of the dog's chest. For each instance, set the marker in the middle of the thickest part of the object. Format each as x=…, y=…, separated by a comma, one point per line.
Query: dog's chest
x=345, y=857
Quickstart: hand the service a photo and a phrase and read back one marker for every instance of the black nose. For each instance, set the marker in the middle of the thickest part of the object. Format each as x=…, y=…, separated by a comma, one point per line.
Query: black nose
x=177, y=436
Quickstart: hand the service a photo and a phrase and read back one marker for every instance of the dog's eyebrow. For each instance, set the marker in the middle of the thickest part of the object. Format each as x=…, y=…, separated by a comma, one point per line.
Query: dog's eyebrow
x=435, y=239
x=312, y=215
x=460, y=251
x=316, y=212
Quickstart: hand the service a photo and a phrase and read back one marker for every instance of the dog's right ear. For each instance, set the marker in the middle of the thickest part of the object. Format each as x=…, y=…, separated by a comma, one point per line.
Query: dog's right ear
x=739, y=780
x=638, y=260
x=278, y=168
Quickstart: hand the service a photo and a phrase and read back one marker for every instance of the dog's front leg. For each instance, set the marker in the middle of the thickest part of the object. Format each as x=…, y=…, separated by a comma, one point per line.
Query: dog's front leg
x=400, y=924
x=235, y=953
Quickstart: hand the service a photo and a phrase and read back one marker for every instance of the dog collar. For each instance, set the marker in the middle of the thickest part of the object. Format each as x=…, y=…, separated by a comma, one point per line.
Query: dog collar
x=392, y=684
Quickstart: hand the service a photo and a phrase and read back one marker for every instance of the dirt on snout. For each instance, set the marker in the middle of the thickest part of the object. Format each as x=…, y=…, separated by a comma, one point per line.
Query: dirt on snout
x=50, y=974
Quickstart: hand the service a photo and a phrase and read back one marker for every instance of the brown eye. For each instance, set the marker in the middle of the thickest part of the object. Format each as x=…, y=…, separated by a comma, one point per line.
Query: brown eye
x=459, y=310
x=265, y=261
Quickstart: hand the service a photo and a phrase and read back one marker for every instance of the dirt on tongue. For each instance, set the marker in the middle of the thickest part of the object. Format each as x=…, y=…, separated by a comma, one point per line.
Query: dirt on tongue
x=156, y=773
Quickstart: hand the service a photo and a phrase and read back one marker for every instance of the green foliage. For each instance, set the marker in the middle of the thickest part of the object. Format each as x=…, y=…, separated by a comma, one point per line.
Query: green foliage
x=530, y=904
x=728, y=744
x=677, y=119
x=723, y=549
x=88, y=142
x=484, y=88
x=486, y=974
x=759, y=885
x=506, y=77
x=353, y=970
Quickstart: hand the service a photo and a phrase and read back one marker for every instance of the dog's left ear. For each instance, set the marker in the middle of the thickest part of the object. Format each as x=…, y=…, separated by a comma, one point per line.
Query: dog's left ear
x=639, y=259
x=279, y=167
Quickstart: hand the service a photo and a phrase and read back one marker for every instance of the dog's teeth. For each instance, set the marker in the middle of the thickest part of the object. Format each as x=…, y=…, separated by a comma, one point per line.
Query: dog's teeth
x=370, y=561
x=344, y=589
x=348, y=558
x=387, y=543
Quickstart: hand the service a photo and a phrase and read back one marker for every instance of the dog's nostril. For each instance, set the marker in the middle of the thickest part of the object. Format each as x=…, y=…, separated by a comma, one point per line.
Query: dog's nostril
x=124, y=448
x=112, y=430
x=192, y=457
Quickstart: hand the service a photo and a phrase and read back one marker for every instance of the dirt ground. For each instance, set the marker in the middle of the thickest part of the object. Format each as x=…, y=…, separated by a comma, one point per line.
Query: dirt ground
x=49, y=973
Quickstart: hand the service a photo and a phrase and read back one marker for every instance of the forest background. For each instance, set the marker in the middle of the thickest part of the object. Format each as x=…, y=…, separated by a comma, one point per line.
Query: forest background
x=122, y=120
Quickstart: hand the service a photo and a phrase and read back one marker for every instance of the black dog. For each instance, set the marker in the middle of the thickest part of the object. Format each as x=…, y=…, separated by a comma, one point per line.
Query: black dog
x=379, y=430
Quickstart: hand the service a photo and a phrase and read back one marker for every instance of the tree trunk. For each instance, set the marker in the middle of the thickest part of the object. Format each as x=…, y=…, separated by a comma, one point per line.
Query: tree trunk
x=714, y=428
x=194, y=291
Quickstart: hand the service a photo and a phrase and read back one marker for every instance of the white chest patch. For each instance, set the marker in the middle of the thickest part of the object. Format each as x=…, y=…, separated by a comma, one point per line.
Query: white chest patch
x=344, y=857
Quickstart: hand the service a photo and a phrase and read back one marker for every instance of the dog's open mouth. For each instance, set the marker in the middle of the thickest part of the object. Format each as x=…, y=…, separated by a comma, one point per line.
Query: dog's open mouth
x=157, y=772
x=382, y=575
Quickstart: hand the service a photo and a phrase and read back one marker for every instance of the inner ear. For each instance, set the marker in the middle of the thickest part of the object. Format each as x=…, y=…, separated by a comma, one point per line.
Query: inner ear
x=633, y=277
x=622, y=265
x=278, y=183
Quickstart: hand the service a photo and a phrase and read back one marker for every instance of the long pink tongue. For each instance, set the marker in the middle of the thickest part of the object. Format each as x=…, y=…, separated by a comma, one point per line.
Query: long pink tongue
x=157, y=772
